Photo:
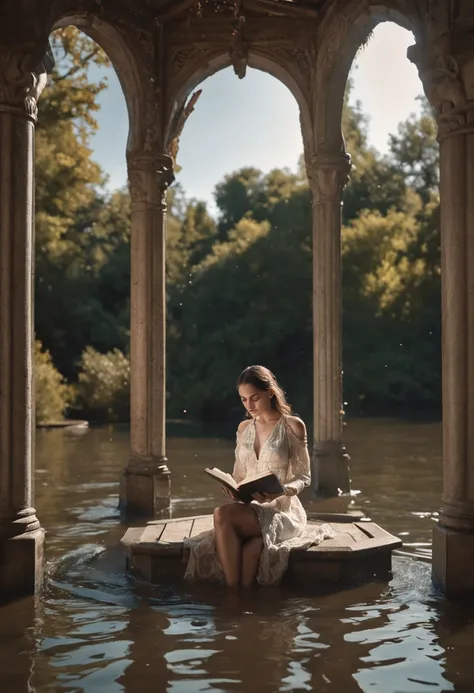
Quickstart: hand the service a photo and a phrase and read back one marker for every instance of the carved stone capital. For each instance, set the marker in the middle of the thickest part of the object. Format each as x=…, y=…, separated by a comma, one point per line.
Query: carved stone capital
x=446, y=68
x=149, y=176
x=20, y=88
x=328, y=174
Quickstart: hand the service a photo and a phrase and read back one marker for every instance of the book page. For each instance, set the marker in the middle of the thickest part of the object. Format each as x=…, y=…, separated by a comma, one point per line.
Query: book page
x=221, y=476
x=255, y=477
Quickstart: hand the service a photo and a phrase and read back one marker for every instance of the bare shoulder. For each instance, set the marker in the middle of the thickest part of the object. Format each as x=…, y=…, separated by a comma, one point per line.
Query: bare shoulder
x=243, y=425
x=297, y=426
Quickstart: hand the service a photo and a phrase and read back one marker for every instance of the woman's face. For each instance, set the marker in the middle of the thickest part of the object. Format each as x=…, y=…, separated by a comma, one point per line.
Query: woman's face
x=255, y=401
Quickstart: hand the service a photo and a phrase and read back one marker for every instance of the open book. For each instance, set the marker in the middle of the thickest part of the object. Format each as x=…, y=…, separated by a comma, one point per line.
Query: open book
x=266, y=482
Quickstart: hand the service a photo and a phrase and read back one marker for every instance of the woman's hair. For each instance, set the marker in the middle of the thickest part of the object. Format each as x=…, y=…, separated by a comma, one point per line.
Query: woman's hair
x=264, y=380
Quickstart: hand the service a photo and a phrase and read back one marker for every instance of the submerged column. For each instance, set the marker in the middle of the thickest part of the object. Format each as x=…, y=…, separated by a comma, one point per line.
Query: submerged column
x=146, y=483
x=328, y=174
x=446, y=68
x=21, y=537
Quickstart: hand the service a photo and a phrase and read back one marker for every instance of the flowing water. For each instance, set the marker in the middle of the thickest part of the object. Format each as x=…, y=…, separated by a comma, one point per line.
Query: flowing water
x=94, y=630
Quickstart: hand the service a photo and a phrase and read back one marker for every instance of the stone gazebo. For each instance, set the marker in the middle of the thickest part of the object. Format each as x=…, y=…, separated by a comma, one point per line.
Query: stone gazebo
x=161, y=50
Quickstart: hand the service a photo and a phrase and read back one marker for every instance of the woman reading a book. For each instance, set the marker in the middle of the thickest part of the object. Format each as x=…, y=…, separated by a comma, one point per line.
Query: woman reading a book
x=252, y=541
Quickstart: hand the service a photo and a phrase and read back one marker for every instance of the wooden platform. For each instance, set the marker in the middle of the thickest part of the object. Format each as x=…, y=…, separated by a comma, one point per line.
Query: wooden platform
x=359, y=552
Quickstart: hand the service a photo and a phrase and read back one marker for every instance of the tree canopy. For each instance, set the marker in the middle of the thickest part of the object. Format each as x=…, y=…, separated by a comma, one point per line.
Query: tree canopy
x=239, y=287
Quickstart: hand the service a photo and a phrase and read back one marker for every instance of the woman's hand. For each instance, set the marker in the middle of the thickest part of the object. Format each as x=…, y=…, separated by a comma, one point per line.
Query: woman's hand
x=227, y=492
x=266, y=497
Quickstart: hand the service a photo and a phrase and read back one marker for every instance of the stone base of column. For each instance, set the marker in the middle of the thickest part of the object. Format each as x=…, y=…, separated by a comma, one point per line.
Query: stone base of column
x=453, y=561
x=21, y=564
x=330, y=474
x=145, y=490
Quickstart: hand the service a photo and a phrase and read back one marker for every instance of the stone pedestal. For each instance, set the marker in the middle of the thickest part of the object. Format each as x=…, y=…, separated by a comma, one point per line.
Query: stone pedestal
x=445, y=67
x=328, y=175
x=145, y=488
x=21, y=538
x=21, y=564
x=453, y=561
x=330, y=473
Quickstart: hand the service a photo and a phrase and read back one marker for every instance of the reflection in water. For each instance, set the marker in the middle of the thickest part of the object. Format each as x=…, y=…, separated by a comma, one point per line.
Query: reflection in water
x=94, y=629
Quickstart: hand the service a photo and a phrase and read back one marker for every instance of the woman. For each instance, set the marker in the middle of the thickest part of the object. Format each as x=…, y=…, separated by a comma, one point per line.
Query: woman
x=253, y=541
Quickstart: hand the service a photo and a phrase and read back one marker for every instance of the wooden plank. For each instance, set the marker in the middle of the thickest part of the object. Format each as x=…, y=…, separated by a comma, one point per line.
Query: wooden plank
x=345, y=539
x=356, y=534
x=162, y=550
x=141, y=565
x=202, y=524
x=326, y=546
x=377, y=537
x=355, y=544
x=350, y=544
x=378, y=544
x=372, y=530
x=343, y=527
x=352, y=516
x=176, y=519
x=174, y=533
x=132, y=536
x=152, y=533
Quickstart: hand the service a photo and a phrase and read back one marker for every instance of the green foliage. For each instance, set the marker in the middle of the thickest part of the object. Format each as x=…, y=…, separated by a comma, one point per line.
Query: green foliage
x=73, y=217
x=103, y=389
x=415, y=152
x=66, y=177
x=82, y=293
x=239, y=288
x=52, y=394
x=249, y=301
x=390, y=353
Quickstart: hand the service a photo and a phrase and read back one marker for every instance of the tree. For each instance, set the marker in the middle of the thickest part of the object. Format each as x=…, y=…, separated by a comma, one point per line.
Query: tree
x=103, y=389
x=249, y=300
x=69, y=200
x=415, y=152
x=66, y=176
x=52, y=394
x=391, y=309
x=237, y=195
x=375, y=181
x=239, y=291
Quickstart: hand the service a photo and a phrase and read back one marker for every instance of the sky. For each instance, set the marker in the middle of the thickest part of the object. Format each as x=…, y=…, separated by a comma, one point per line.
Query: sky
x=255, y=121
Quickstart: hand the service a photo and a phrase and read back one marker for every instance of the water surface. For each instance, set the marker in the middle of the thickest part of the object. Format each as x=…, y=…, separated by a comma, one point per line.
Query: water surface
x=94, y=630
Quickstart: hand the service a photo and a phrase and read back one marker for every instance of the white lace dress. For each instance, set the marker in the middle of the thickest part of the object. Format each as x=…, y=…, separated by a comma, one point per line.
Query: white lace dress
x=283, y=521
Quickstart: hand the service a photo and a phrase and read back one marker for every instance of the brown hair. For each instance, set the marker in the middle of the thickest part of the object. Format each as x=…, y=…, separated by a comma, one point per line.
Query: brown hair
x=264, y=380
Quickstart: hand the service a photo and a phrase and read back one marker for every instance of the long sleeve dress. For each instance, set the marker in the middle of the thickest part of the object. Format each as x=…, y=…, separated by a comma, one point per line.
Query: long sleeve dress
x=282, y=521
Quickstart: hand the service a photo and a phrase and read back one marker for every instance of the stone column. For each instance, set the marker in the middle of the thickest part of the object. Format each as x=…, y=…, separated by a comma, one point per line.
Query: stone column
x=146, y=482
x=21, y=537
x=446, y=68
x=328, y=174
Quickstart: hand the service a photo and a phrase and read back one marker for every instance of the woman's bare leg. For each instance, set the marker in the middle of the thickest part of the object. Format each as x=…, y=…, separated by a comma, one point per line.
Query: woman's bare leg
x=251, y=552
x=228, y=546
x=233, y=524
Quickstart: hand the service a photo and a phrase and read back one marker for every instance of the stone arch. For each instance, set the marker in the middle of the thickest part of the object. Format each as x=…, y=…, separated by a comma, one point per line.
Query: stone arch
x=113, y=42
x=295, y=77
x=342, y=33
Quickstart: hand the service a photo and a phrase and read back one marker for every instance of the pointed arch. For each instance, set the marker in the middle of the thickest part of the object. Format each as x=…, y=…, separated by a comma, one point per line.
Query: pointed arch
x=342, y=32
x=124, y=60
